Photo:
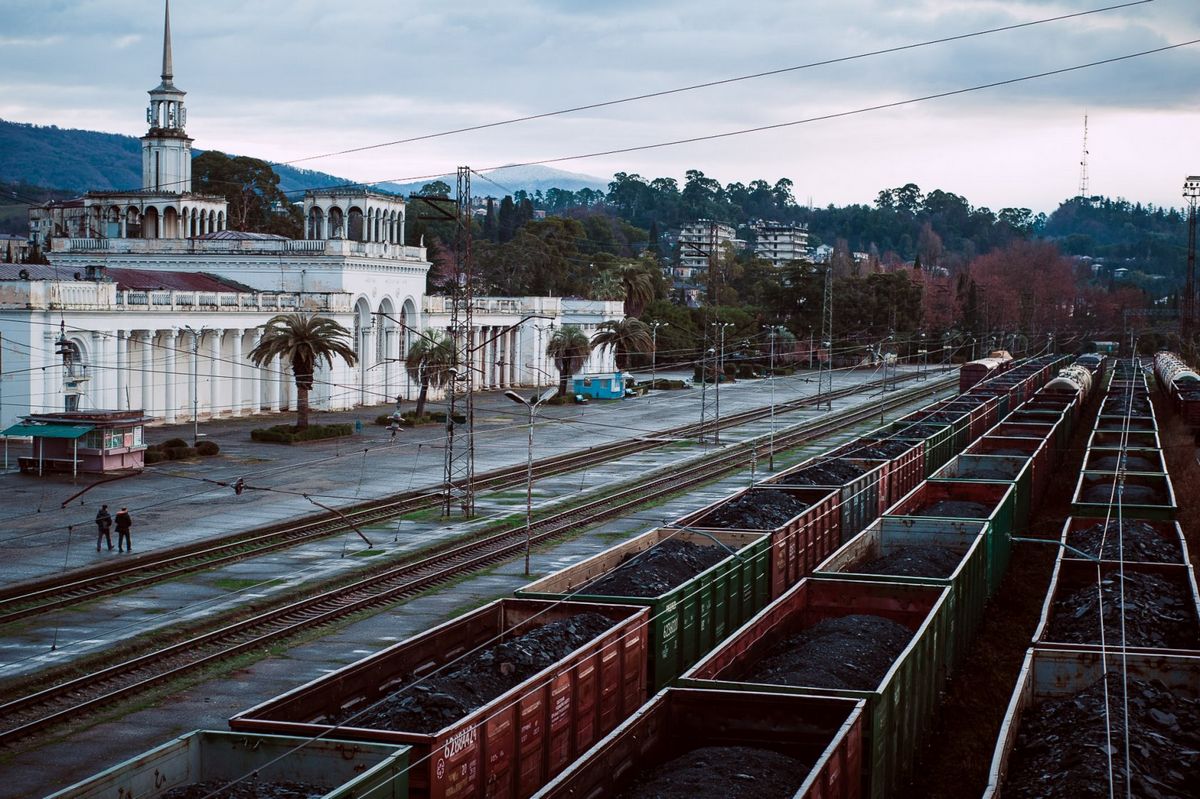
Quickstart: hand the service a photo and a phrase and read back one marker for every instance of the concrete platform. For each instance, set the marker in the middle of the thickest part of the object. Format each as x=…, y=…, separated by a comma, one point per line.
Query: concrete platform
x=173, y=503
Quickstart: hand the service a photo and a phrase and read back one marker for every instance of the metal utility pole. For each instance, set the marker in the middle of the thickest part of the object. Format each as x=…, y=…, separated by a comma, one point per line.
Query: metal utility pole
x=720, y=374
x=705, y=404
x=713, y=265
x=1187, y=328
x=771, y=331
x=654, y=326
x=459, y=472
x=826, y=372
x=924, y=353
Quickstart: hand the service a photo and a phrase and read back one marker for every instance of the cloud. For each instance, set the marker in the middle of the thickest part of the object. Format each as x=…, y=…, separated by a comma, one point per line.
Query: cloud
x=30, y=41
x=283, y=79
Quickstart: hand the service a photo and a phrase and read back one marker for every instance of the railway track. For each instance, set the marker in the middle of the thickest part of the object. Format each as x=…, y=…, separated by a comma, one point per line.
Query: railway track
x=27, y=599
x=68, y=700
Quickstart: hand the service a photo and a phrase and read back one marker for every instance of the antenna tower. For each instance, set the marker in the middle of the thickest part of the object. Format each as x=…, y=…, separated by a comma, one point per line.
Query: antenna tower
x=460, y=395
x=1084, y=190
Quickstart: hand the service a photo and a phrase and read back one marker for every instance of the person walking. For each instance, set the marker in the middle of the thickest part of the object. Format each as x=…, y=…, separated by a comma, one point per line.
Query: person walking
x=103, y=526
x=124, y=522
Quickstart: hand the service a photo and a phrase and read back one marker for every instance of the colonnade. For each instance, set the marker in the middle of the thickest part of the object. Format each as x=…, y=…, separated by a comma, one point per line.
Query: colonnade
x=172, y=372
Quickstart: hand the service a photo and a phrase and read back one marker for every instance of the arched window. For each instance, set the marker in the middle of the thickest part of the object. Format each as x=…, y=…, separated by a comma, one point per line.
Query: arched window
x=355, y=226
x=337, y=223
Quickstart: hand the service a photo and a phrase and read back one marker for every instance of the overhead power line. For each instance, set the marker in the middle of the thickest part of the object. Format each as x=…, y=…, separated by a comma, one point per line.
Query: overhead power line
x=713, y=83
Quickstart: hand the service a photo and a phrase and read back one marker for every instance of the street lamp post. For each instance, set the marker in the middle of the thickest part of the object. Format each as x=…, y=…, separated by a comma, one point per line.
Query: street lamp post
x=924, y=353
x=531, y=405
x=654, y=326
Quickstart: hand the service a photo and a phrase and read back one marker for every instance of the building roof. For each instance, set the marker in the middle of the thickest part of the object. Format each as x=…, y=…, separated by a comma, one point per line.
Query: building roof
x=240, y=235
x=49, y=430
x=130, y=279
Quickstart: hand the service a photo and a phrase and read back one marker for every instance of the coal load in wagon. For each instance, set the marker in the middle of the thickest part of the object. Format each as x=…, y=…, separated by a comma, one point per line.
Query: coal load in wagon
x=848, y=652
x=912, y=561
x=730, y=772
x=1133, y=463
x=1131, y=494
x=445, y=697
x=656, y=571
x=828, y=473
x=1139, y=542
x=1158, y=613
x=247, y=789
x=879, y=450
x=920, y=431
x=1062, y=749
x=761, y=509
x=953, y=509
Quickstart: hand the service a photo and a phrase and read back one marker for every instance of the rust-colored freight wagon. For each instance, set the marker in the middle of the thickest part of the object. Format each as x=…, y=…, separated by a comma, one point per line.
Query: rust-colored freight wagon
x=806, y=538
x=515, y=742
x=822, y=731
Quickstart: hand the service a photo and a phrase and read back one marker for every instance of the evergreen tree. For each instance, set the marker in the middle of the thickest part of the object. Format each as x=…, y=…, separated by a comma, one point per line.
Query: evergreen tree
x=507, y=225
x=489, y=221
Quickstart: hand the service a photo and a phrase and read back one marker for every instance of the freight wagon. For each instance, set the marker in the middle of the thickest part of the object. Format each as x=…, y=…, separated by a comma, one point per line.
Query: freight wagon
x=899, y=707
x=512, y=744
x=207, y=760
x=687, y=620
x=823, y=733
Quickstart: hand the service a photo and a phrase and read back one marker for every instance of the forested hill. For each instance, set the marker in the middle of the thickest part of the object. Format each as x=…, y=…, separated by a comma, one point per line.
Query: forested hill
x=83, y=160
x=87, y=160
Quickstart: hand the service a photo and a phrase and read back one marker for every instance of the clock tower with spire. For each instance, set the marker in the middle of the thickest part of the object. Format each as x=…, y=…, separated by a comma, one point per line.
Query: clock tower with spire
x=166, y=148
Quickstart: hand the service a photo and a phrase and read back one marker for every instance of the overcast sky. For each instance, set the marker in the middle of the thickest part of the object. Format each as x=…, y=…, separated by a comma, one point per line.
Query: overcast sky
x=285, y=79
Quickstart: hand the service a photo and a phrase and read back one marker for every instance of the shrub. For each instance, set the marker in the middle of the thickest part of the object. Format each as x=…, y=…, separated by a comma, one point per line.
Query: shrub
x=173, y=442
x=746, y=371
x=154, y=456
x=208, y=448
x=288, y=434
x=180, y=453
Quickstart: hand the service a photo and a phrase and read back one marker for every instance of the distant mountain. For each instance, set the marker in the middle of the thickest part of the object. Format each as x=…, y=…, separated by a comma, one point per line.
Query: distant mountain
x=82, y=160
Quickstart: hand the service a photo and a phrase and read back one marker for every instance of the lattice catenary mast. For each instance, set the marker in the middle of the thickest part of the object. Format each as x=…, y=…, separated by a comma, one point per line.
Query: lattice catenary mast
x=459, y=478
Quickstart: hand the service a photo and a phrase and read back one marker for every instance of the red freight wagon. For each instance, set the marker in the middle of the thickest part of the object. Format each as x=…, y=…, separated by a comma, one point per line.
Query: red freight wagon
x=823, y=731
x=512, y=745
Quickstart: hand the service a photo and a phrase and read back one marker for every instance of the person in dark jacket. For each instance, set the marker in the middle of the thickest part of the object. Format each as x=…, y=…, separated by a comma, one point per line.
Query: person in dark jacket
x=103, y=525
x=124, y=522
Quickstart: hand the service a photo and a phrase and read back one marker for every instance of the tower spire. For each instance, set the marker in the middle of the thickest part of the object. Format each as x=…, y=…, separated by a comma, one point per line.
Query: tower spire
x=168, y=69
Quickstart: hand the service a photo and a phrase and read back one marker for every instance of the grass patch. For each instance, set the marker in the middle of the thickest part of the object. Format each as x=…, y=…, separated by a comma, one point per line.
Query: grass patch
x=232, y=584
x=427, y=515
x=367, y=553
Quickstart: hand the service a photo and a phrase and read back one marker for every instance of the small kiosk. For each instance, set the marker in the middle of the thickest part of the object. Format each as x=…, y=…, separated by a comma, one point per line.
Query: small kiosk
x=93, y=442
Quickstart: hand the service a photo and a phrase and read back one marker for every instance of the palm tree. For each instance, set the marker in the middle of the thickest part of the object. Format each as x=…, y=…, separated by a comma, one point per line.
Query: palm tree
x=639, y=287
x=303, y=340
x=569, y=348
x=428, y=362
x=628, y=337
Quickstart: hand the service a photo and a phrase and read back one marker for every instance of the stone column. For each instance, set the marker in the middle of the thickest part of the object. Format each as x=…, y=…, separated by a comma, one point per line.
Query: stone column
x=514, y=356
x=274, y=384
x=52, y=396
x=101, y=371
x=256, y=375
x=235, y=372
x=389, y=354
x=147, y=342
x=170, y=409
x=214, y=373
x=122, y=374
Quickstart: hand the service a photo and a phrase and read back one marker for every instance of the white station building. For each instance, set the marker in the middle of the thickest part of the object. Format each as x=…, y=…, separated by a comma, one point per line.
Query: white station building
x=160, y=304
